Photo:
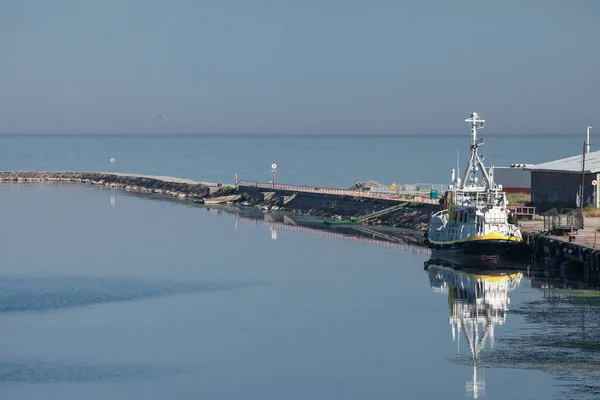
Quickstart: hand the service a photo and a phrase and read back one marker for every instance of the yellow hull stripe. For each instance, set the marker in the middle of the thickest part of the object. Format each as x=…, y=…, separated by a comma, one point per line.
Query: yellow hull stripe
x=496, y=278
x=489, y=278
x=489, y=236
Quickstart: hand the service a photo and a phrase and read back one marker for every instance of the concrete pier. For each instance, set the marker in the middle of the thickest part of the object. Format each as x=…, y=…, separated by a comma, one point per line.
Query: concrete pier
x=576, y=254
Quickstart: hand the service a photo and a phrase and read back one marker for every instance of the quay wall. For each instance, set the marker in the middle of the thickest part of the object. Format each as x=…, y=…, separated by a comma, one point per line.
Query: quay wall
x=405, y=214
x=570, y=258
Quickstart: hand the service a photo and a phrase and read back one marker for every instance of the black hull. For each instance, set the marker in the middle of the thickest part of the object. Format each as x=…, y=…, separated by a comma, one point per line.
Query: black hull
x=484, y=252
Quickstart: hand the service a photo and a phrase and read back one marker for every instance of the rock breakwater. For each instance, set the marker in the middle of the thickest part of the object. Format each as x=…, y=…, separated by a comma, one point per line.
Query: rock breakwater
x=174, y=187
x=403, y=214
x=369, y=211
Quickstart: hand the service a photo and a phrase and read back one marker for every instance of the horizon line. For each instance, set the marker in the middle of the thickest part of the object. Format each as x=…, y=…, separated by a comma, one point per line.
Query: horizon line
x=283, y=134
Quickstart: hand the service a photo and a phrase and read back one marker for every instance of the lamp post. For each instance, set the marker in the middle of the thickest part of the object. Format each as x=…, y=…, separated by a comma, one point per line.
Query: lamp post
x=273, y=170
x=585, y=148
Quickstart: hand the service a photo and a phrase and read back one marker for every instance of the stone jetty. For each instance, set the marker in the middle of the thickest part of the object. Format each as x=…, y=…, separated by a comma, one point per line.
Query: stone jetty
x=370, y=211
x=175, y=187
x=580, y=253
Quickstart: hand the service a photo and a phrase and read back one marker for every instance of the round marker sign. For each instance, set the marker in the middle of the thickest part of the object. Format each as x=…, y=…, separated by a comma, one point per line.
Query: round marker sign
x=273, y=166
x=594, y=182
x=112, y=160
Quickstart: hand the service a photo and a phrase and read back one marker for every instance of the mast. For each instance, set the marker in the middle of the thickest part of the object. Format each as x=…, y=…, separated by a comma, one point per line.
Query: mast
x=476, y=160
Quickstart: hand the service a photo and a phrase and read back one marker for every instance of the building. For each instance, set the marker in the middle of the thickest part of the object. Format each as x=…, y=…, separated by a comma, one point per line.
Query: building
x=514, y=179
x=560, y=181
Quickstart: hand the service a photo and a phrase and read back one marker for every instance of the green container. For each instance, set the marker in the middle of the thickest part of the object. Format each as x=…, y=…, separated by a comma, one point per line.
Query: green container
x=340, y=222
x=433, y=195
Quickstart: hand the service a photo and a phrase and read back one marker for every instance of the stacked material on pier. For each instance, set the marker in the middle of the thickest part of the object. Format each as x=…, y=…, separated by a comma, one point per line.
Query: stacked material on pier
x=370, y=186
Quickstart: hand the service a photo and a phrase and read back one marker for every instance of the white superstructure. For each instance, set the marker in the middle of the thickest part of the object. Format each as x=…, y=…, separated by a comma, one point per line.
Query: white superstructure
x=478, y=302
x=476, y=207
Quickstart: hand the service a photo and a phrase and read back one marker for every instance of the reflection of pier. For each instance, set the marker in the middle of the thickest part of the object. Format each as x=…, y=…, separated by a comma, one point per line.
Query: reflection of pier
x=566, y=277
x=351, y=235
x=478, y=301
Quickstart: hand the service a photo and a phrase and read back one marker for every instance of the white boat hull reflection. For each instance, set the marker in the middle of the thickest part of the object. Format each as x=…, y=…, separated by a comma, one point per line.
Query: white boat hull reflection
x=478, y=300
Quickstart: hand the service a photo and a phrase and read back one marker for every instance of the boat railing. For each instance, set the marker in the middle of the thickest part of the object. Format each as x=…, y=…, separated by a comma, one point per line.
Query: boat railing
x=511, y=229
x=440, y=213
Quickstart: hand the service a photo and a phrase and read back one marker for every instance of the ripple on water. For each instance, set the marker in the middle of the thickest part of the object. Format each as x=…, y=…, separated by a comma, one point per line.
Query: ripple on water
x=563, y=339
x=34, y=372
x=46, y=294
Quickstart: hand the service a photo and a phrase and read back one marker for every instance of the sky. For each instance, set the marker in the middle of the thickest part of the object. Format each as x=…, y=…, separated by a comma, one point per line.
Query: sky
x=291, y=66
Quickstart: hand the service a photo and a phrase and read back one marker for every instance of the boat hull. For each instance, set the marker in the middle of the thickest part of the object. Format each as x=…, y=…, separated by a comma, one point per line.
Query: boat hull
x=485, y=251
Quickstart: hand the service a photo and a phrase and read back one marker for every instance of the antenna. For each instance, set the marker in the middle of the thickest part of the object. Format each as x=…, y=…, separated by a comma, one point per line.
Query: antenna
x=458, y=181
x=476, y=161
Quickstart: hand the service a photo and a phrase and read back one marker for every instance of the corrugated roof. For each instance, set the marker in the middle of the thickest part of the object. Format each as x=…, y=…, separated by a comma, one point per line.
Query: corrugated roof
x=572, y=164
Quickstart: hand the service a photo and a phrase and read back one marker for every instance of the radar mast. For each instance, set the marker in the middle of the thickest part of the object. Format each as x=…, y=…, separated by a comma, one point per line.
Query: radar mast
x=470, y=178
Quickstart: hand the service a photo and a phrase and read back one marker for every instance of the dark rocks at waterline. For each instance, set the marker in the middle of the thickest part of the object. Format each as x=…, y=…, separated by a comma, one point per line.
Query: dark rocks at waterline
x=403, y=214
x=174, y=187
x=407, y=215
x=569, y=257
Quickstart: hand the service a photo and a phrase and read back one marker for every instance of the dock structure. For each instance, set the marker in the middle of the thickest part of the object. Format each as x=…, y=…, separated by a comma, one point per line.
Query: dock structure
x=578, y=251
x=403, y=211
x=413, y=197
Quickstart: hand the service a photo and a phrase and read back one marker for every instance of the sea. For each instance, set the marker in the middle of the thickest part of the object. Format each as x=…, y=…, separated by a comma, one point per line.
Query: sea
x=107, y=294
x=337, y=161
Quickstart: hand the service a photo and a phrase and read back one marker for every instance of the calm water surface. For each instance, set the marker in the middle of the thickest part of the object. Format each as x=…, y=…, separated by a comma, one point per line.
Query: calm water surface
x=332, y=161
x=105, y=294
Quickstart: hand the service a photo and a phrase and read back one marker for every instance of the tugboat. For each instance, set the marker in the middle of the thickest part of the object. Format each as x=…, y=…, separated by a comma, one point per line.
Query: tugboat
x=475, y=222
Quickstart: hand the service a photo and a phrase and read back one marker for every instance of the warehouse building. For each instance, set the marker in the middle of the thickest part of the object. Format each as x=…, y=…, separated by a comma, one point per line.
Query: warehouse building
x=514, y=179
x=560, y=181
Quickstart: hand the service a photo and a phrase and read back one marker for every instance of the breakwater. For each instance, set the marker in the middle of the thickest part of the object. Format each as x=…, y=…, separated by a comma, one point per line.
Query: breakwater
x=558, y=253
x=174, y=187
x=368, y=210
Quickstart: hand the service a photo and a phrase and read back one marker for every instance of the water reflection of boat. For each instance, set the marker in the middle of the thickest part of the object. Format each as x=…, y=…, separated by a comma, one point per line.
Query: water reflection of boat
x=478, y=301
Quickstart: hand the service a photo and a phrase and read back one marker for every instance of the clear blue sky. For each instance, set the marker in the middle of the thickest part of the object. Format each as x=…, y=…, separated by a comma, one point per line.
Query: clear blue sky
x=291, y=66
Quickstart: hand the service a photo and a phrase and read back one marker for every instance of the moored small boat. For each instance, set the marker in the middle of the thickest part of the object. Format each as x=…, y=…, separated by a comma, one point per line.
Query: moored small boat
x=340, y=222
x=222, y=199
